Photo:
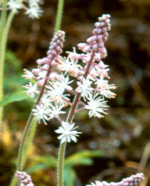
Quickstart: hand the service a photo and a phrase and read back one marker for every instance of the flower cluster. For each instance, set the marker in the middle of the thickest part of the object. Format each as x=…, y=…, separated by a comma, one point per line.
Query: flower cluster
x=85, y=69
x=51, y=102
x=133, y=180
x=32, y=9
x=89, y=71
x=25, y=179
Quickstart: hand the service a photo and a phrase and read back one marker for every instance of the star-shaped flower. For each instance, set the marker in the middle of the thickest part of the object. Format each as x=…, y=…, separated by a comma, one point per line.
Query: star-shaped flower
x=42, y=113
x=67, y=132
x=96, y=106
x=84, y=87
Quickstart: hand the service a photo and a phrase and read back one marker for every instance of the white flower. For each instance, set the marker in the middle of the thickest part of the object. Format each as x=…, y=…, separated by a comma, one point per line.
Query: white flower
x=41, y=112
x=67, y=132
x=45, y=100
x=96, y=105
x=105, y=88
x=56, y=110
x=70, y=66
x=74, y=55
x=84, y=87
x=14, y=5
x=34, y=12
x=65, y=83
x=100, y=70
x=28, y=74
x=56, y=89
x=31, y=89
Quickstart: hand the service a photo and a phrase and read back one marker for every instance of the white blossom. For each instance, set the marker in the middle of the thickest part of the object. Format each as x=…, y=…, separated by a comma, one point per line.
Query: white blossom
x=56, y=110
x=46, y=101
x=70, y=66
x=96, y=106
x=67, y=132
x=84, y=87
x=65, y=83
x=31, y=89
x=31, y=6
x=42, y=113
x=56, y=89
x=34, y=12
x=105, y=88
x=28, y=74
x=41, y=74
x=14, y=5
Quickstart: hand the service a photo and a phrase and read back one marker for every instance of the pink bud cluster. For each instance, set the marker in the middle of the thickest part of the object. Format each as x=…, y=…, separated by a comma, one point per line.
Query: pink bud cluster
x=100, y=34
x=53, y=54
x=133, y=180
x=55, y=48
x=25, y=179
x=95, y=44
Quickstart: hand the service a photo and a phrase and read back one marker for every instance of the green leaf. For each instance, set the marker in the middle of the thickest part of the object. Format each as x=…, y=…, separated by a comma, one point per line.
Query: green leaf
x=10, y=98
x=78, y=161
x=50, y=161
x=42, y=162
x=34, y=168
x=69, y=181
x=83, y=157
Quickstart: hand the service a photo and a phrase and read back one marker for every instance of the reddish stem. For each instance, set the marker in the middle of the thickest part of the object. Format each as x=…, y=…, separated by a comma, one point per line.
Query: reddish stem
x=78, y=95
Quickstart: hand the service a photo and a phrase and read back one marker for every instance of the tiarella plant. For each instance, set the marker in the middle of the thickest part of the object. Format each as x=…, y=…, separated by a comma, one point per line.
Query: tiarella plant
x=79, y=81
x=85, y=69
x=51, y=82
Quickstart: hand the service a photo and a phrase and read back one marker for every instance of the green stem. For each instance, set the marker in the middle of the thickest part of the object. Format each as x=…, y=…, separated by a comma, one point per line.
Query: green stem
x=24, y=146
x=24, y=143
x=61, y=156
x=29, y=130
x=8, y=24
x=3, y=19
x=2, y=54
x=30, y=139
x=61, y=153
x=28, y=144
x=59, y=15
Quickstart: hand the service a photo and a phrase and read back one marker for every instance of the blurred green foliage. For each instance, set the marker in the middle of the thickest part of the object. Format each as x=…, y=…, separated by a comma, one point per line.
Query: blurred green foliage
x=13, y=91
x=83, y=158
x=12, y=73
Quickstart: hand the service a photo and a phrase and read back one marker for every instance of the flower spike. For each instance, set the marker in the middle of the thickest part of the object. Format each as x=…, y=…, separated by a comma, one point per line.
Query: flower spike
x=133, y=180
x=25, y=179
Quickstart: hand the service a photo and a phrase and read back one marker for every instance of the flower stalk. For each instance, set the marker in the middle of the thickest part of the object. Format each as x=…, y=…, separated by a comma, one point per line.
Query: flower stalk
x=2, y=54
x=60, y=166
x=61, y=154
x=93, y=48
x=30, y=127
x=59, y=15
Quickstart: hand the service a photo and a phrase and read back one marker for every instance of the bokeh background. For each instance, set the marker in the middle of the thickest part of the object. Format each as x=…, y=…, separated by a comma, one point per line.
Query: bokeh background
x=117, y=145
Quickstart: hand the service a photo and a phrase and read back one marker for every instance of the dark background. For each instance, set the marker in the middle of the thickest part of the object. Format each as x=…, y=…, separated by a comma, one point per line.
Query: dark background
x=124, y=133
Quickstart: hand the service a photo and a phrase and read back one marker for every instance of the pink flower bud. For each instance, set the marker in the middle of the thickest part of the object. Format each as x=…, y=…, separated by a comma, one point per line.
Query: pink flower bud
x=81, y=45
